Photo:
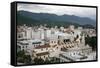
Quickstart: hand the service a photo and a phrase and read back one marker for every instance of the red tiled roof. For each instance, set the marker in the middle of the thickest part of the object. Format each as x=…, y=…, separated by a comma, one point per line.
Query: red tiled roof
x=43, y=53
x=54, y=45
x=42, y=46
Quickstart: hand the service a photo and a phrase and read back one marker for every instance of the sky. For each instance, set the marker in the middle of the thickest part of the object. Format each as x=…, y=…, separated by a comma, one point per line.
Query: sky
x=59, y=10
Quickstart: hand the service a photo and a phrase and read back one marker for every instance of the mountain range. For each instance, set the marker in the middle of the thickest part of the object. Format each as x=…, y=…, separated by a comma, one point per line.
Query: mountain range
x=30, y=18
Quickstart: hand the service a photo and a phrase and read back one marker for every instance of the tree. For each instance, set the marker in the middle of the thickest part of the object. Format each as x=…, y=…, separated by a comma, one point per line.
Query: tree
x=27, y=59
x=38, y=61
x=20, y=53
x=47, y=61
x=22, y=58
x=91, y=41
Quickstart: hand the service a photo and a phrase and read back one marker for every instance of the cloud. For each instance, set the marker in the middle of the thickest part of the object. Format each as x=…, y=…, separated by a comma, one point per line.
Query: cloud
x=59, y=10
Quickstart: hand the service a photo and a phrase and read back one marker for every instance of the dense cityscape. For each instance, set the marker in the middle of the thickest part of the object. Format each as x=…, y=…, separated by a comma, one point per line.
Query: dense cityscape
x=42, y=44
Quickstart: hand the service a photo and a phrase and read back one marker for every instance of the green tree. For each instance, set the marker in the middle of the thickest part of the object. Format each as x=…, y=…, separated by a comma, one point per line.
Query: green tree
x=22, y=58
x=47, y=61
x=38, y=61
x=92, y=41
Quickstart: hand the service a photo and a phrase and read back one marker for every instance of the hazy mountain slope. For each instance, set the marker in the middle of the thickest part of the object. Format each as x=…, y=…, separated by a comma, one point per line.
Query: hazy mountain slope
x=25, y=17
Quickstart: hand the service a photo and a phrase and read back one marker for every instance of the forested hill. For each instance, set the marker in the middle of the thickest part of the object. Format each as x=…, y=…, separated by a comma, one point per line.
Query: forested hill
x=29, y=18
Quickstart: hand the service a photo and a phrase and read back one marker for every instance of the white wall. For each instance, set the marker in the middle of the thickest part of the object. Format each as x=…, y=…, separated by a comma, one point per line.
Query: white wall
x=5, y=34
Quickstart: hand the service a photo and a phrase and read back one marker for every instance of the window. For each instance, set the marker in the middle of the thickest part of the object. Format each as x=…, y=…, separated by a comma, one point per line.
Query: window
x=44, y=56
x=42, y=49
x=34, y=45
x=48, y=56
x=46, y=48
x=74, y=53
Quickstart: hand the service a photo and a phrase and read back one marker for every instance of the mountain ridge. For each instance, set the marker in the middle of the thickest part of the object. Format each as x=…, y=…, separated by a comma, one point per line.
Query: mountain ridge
x=48, y=18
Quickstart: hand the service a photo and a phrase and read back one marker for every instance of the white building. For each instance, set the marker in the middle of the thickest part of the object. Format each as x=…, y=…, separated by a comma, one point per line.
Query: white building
x=52, y=42
x=71, y=27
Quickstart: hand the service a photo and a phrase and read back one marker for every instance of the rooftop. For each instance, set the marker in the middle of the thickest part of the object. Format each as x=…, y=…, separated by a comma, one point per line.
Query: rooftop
x=42, y=53
x=43, y=46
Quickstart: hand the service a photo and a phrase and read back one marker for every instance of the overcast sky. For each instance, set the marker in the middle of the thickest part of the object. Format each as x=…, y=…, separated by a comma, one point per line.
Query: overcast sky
x=59, y=10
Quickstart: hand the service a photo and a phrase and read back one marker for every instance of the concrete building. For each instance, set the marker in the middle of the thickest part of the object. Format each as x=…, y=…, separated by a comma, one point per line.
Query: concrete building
x=62, y=43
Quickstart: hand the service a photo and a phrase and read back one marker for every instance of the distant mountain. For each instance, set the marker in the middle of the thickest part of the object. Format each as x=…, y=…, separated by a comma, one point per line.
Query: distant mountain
x=25, y=17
